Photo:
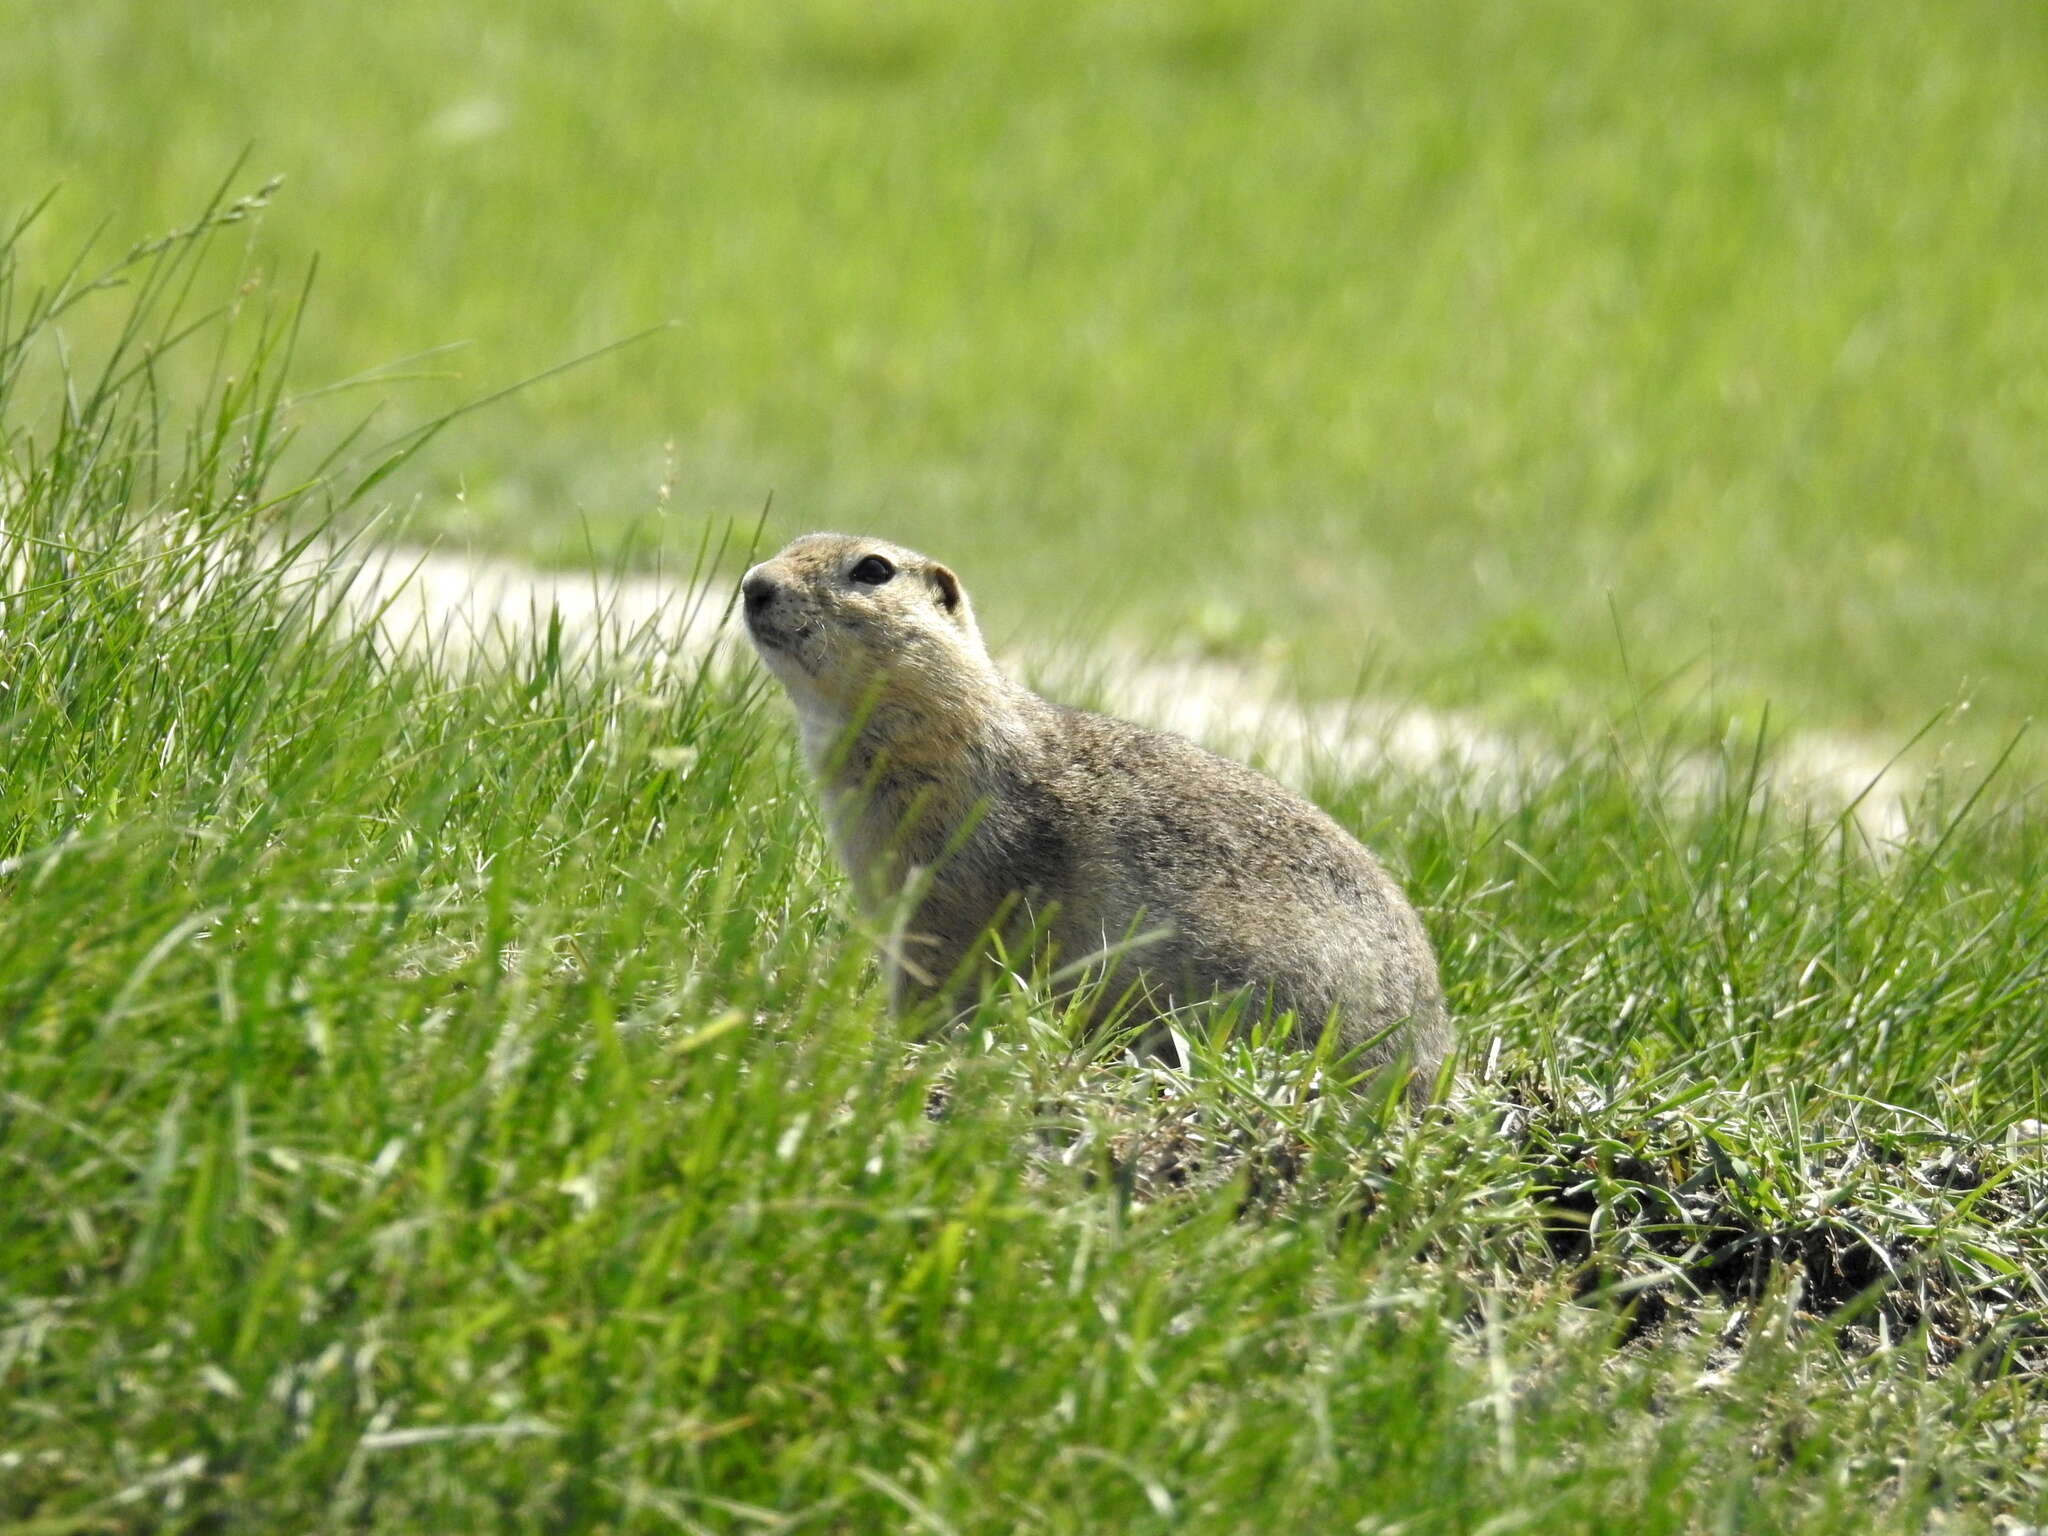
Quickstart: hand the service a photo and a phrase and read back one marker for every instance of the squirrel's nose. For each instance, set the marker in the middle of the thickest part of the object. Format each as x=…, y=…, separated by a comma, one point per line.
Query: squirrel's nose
x=759, y=590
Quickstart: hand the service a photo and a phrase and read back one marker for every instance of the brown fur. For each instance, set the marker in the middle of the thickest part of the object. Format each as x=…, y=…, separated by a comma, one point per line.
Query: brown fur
x=940, y=775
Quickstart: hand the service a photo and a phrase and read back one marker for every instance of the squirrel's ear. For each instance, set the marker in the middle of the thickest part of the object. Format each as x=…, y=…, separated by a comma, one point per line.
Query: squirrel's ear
x=947, y=585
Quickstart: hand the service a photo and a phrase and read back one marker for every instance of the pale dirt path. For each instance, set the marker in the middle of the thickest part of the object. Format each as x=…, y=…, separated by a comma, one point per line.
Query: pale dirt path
x=443, y=599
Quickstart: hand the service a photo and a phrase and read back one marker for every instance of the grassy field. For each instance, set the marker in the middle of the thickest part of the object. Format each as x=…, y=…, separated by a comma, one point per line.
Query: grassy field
x=442, y=1092
x=1446, y=340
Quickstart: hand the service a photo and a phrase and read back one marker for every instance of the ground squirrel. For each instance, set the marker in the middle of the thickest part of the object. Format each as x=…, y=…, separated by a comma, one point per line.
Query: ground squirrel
x=1001, y=810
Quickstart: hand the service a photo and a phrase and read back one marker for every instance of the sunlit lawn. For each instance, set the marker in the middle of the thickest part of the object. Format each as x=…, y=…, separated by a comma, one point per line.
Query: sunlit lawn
x=1470, y=344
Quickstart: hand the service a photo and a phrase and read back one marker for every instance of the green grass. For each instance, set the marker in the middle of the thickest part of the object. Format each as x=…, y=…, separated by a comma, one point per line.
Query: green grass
x=442, y=1092
x=1412, y=333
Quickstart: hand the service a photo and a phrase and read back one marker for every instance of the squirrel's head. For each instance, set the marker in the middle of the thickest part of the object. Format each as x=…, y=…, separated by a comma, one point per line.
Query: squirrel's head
x=863, y=629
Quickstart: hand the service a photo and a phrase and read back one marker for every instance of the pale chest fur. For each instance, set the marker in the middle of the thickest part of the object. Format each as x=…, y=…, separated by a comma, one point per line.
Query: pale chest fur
x=886, y=819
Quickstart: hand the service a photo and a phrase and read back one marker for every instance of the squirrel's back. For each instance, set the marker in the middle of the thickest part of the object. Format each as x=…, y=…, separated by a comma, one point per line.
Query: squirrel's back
x=1256, y=888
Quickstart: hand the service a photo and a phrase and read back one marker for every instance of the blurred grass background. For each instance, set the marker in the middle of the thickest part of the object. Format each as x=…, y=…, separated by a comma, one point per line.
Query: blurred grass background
x=1361, y=336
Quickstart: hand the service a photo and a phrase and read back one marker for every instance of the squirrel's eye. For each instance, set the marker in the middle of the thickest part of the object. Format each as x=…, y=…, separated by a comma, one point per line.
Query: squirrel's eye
x=872, y=571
